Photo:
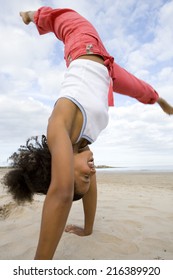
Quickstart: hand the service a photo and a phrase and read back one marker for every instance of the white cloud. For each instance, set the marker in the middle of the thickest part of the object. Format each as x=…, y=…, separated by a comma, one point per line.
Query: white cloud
x=20, y=120
x=136, y=135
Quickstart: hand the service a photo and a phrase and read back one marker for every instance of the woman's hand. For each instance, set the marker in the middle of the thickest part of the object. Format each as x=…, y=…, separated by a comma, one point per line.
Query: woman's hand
x=166, y=107
x=75, y=230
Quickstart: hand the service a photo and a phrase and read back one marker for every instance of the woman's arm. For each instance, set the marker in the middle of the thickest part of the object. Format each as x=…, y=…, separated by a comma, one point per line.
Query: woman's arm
x=59, y=197
x=58, y=200
x=89, y=206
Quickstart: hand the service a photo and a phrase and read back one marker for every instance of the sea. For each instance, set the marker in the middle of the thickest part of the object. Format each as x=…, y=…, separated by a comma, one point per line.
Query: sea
x=163, y=168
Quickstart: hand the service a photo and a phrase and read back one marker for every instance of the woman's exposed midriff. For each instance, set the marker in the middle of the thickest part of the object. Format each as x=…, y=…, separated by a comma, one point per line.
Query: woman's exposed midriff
x=93, y=57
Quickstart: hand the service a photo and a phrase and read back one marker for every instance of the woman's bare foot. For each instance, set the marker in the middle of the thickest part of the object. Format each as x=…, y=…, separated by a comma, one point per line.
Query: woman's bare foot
x=27, y=17
x=166, y=107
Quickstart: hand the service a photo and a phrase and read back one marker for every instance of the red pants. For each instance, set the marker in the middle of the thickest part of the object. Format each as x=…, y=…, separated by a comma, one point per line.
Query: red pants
x=81, y=38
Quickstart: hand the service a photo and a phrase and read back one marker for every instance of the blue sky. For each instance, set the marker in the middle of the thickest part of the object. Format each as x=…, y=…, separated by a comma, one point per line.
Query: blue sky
x=137, y=33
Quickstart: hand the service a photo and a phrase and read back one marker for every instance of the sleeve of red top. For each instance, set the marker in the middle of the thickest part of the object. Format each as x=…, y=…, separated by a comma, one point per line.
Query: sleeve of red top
x=127, y=84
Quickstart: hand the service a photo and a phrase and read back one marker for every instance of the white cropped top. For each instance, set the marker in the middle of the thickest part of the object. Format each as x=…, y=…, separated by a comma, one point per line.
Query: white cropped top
x=87, y=84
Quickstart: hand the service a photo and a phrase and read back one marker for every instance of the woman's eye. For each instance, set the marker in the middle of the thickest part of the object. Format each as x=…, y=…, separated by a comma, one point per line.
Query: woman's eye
x=87, y=178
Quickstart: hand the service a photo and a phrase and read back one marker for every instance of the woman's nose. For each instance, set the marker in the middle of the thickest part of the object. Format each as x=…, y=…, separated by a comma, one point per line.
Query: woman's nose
x=91, y=167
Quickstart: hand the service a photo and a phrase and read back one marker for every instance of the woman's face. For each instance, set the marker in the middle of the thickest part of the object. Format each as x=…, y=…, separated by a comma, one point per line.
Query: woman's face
x=83, y=170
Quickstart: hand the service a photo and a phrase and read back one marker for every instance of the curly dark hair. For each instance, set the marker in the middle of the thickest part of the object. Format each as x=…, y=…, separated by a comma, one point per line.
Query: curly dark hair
x=31, y=171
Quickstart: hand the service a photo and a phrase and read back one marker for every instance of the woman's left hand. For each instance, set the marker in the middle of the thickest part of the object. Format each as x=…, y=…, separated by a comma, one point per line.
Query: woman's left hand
x=75, y=230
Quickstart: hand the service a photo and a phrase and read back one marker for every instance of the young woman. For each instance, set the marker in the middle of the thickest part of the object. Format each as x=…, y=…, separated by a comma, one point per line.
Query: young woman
x=80, y=114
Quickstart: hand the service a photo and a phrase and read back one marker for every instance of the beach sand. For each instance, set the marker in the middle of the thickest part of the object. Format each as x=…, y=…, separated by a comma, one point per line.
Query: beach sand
x=134, y=220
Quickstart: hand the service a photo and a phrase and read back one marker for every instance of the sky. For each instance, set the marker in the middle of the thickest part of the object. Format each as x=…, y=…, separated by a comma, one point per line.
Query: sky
x=137, y=33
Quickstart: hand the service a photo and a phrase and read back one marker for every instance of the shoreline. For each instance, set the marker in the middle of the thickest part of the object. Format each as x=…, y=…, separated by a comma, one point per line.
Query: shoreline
x=153, y=168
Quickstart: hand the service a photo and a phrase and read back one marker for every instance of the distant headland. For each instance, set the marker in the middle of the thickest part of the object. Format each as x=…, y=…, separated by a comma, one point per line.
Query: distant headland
x=104, y=166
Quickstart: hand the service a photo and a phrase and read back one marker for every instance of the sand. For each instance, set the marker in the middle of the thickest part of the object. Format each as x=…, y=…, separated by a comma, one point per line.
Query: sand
x=134, y=221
